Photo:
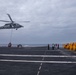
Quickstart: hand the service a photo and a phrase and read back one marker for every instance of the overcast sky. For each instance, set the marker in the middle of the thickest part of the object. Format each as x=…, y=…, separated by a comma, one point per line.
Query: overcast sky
x=51, y=21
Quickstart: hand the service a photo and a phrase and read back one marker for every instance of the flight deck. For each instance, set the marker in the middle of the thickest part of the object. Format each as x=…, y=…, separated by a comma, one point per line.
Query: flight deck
x=37, y=61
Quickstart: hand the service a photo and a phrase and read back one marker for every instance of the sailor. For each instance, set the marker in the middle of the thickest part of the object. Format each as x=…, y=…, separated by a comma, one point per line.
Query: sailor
x=9, y=45
x=53, y=46
x=58, y=46
x=48, y=47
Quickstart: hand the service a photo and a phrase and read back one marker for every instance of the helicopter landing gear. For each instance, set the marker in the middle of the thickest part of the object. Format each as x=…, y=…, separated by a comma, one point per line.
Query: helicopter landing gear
x=16, y=28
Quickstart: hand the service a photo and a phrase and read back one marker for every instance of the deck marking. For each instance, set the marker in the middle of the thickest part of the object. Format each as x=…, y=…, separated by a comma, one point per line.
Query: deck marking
x=29, y=61
x=41, y=65
x=17, y=55
x=38, y=72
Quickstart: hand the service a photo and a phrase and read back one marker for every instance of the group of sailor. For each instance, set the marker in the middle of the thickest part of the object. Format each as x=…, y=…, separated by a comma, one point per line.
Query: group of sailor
x=53, y=46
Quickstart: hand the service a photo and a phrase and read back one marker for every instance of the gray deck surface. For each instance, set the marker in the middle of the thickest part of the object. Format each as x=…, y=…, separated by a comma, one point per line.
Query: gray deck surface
x=10, y=64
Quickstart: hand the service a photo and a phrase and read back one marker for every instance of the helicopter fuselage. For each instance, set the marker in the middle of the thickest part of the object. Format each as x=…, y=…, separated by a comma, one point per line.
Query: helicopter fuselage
x=11, y=26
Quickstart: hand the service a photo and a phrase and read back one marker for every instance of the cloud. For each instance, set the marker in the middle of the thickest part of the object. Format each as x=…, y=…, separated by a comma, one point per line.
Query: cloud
x=50, y=20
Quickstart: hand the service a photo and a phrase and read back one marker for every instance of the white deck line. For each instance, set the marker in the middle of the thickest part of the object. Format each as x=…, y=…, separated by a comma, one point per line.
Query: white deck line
x=38, y=73
x=29, y=61
x=16, y=55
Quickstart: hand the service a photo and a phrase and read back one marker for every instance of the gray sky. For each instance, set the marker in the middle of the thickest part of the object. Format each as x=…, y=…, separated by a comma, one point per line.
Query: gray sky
x=51, y=21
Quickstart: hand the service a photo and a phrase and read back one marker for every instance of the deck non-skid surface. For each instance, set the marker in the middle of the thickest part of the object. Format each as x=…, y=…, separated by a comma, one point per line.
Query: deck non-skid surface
x=37, y=61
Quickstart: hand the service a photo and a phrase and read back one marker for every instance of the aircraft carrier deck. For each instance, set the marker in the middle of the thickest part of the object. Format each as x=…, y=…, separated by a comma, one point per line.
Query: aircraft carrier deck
x=37, y=61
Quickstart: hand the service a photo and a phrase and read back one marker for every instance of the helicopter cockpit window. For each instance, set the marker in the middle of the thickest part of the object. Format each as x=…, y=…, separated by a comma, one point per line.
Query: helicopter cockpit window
x=14, y=24
x=7, y=25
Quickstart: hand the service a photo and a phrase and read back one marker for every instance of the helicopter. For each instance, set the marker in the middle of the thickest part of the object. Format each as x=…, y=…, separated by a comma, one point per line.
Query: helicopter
x=11, y=24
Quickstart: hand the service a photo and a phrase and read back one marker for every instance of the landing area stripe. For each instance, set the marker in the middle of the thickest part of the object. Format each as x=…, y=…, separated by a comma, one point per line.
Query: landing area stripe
x=17, y=55
x=26, y=61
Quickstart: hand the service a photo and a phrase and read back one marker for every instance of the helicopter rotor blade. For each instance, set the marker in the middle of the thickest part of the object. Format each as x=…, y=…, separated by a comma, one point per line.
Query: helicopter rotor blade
x=23, y=21
x=4, y=21
x=10, y=17
x=14, y=21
